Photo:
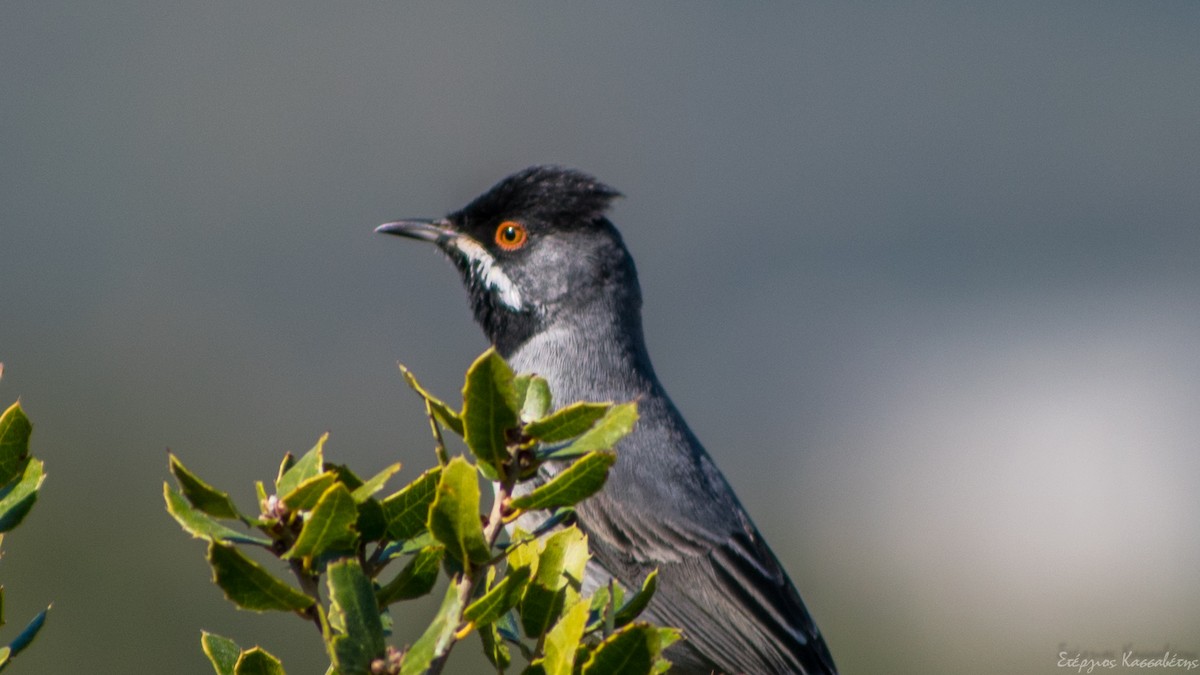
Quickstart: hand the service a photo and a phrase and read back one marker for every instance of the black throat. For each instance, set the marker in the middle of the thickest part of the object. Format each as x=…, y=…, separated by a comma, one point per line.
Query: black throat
x=506, y=328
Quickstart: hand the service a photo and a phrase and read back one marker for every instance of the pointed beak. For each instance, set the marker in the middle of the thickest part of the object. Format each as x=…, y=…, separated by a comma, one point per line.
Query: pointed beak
x=436, y=231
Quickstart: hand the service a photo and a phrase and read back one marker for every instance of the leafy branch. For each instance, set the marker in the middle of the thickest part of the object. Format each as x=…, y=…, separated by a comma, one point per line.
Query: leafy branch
x=518, y=591
x=21, y=477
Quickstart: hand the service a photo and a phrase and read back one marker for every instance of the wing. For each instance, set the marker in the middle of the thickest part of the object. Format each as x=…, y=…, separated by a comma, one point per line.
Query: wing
x=736, y=606
x=666, y=506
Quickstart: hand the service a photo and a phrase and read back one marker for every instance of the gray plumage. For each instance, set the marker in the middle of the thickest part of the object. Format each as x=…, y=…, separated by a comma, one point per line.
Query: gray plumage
x=565, y=303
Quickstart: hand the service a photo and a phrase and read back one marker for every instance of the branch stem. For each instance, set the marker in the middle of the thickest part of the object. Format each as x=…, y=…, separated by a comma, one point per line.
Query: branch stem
x=312, y=589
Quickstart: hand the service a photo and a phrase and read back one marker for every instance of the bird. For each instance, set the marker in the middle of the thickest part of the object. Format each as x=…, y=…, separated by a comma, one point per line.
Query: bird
x=554, y=288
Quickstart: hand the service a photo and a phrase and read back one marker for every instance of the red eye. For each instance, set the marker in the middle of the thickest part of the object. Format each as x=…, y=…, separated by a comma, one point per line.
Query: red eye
x=511, y=235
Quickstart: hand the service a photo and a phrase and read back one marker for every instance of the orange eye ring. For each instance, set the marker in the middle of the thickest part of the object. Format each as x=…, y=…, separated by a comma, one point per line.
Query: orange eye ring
x=511, y=235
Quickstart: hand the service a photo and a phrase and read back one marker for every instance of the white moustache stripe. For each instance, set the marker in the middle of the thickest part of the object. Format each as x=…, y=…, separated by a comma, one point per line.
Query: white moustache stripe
x=493, y=277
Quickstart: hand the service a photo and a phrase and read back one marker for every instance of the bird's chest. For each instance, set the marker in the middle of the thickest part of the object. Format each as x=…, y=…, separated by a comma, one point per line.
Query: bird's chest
x=579, y=365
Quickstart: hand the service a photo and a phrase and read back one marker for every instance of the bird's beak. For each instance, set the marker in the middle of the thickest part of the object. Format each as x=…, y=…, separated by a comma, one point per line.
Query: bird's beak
x=436, y=231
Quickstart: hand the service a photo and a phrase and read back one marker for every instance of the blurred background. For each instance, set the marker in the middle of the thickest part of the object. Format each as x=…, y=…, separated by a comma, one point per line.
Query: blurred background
x=922, y=277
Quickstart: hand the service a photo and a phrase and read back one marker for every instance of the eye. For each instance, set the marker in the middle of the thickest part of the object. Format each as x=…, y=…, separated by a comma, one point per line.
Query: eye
x=511, y=235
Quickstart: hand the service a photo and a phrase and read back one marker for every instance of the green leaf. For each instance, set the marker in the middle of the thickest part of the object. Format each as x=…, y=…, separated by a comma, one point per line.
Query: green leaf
x=568, y=422
x=556, y=580
x=345, y=475
x=633, y=650
x=493, y=646
x=603, y=435
x=396, y=549
x=329, y=526
x=354, y=615
x=285, y=465
x=221, y=651
x=563, y=640
x=257, y=661
x=306, y=495
x=201, y=526
x=15, y=429
x=454, y=516
x=407, y=511
x=575, y=557
x=631, y=609
x=437, y=638
x=416, y=579
x=616, y=601
x=489, y=408
x=375, y=483
x=249, y=585
x=521, y=388
x=444, y=413
x=536, y=399
x=371, y=523
x=26, y=636
x=508, y=629
x=602, y=604
x=16, y=499
x=202, y=495
x=524, y=553
x=308, y=466
x=572, y=485
x=501, y=598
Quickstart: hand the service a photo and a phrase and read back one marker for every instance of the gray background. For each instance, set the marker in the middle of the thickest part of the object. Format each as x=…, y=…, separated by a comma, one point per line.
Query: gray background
x=923, y=278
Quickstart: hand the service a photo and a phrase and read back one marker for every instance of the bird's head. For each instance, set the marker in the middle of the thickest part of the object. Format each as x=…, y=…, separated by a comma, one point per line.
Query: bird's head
x=534, y=250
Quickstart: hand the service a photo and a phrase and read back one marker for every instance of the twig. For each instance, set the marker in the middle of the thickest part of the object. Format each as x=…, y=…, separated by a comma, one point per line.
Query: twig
x=312, y=589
